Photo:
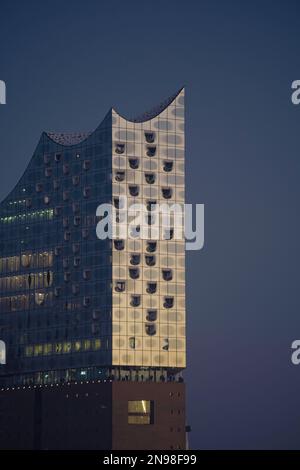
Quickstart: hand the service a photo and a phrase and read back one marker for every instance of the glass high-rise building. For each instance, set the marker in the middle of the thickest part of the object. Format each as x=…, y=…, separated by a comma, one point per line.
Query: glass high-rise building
x=77, y=311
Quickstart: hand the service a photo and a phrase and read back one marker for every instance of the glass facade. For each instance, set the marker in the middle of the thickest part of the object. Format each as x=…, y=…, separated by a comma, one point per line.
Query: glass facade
x=73, y=307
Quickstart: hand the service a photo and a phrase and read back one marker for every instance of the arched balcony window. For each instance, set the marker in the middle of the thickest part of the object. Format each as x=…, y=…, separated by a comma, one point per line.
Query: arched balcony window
x=151, y=287
x=150, y=178
x=151, y=150
x=119, y=176
x=120, y=286
x=134, y=273
x=134, y=163
x=151, y=315
x=168, y=166
x=167, y=274
x=151, y=246
x=167, y=193
x=135, y=300
x=150, y=137
x=119, y=244
x=150, y=260
x=150, y=329
x=133, y=190
x=135, y=259
x=169, y=302
x=120, y=148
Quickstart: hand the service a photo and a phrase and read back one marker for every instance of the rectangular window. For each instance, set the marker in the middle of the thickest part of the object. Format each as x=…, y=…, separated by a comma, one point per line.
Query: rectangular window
x=140, y=412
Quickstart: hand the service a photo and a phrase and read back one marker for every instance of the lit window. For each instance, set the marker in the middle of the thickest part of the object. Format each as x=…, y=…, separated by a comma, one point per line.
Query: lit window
x=140, y=412
x=86, y=164
x=39, y=298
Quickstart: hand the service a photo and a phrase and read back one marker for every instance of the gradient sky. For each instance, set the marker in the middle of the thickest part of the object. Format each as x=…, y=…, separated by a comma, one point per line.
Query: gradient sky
x=66, y=63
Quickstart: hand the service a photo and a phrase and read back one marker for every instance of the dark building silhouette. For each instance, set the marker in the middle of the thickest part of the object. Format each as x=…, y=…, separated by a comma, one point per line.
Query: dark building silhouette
x=93, y=330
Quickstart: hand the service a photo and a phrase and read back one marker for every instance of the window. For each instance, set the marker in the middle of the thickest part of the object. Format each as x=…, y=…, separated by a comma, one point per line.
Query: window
x=150, y=329
x=165, y=346
x=167, y=193
x=66, y=169
x=135, y=259
x=167, y=274
x=169, y=302
x=132, y=342
x=150, y=260
x=86, y=164
x=66, y=195
x=135, y=300
x=133, y=191
x=119, y=244
x=150, y=137
x=48, y=172
x=119, y=176
x=75, y=180
x=87, y=190
x=38, y=187
x=151, y=150
x=56, y=184
x=120, y=286
x=151, y=287
x=151, y=315
x=168, y=166
x=140, y=412
x=134, y=163
x=150, y=178
x=57, y=157
x=151, y=247
x=120, y=148
x=134, y=273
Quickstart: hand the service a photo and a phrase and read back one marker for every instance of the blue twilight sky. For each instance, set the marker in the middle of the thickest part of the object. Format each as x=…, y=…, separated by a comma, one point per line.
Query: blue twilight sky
x=66, y=63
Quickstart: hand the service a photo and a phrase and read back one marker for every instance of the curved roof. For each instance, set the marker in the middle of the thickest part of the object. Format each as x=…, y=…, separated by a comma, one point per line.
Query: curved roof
x=68, y=138
x=154, y=112
x=74, y=138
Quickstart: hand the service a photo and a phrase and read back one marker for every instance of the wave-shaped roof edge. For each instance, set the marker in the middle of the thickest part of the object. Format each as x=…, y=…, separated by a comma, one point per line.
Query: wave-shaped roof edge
x=154, y=112
x=74, y=138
